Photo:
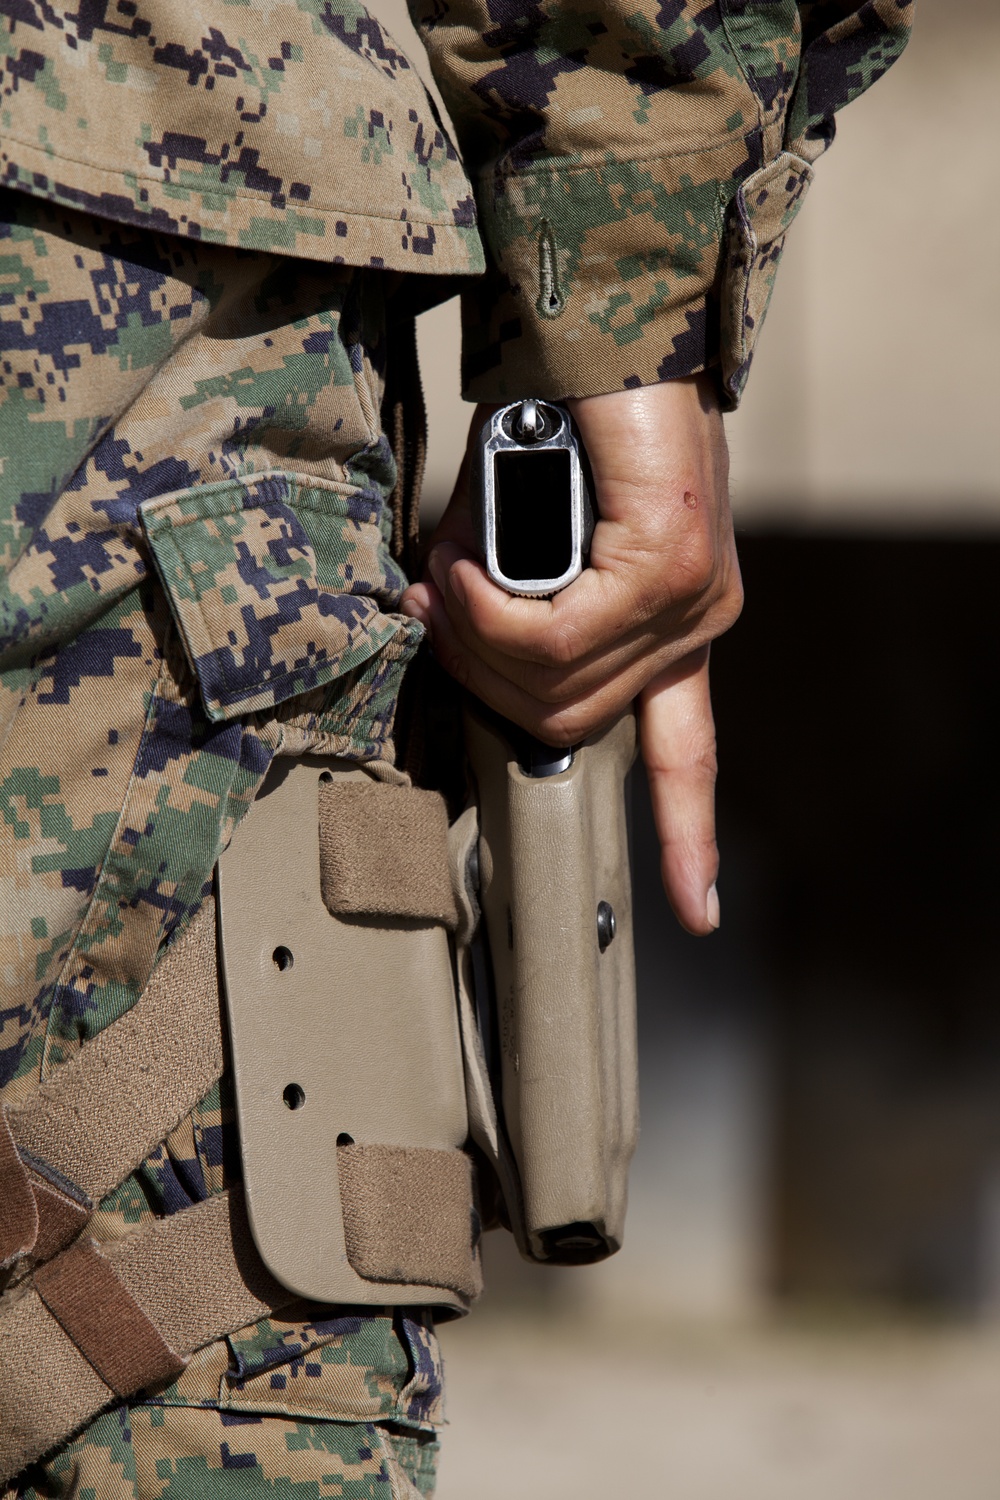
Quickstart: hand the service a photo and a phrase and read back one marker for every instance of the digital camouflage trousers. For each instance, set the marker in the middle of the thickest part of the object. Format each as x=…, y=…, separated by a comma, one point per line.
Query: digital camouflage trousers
x=195, y=529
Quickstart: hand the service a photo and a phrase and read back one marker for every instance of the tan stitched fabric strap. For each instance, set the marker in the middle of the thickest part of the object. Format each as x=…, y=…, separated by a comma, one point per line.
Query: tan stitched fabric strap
x=61, y=1216
x=104, y=1321
x=97, y=1117
x=384, y=852
x=18, y=1210
x=107, y=1325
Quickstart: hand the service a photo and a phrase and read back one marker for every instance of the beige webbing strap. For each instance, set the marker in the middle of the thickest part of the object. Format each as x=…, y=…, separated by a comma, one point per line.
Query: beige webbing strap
x=384, y=852
x=103, y=1321
x=107, y=1325
x=97, y=1118
x=18, y=1210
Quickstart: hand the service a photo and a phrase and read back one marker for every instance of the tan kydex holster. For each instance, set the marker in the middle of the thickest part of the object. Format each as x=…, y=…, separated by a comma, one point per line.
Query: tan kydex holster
x=396, y=990
x=384, y=1012
x=554, y=1097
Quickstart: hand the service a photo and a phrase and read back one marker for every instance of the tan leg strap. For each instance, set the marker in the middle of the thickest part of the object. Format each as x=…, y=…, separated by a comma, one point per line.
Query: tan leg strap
x=104, y=1321
x=107, y=1325
x=98, y=1117
x=100, y=1322
x=18, y=1210
x=63, y=1210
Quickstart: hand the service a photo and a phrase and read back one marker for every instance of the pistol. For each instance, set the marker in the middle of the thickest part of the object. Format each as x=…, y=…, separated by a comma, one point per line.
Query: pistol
x=553, y=882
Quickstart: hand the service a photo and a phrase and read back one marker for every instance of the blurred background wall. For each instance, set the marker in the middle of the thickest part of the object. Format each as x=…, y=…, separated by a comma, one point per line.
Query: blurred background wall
x=821, y=1080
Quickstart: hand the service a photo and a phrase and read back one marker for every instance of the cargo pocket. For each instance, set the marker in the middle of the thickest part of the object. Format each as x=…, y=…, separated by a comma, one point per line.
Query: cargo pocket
x=278, y=584
x=759, y=217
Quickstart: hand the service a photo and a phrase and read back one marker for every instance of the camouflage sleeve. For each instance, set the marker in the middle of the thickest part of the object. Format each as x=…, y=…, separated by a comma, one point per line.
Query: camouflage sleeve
x=637, y=164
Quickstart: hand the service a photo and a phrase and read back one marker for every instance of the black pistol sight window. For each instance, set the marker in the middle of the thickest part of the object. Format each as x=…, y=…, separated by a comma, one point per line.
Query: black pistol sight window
x=535, y=515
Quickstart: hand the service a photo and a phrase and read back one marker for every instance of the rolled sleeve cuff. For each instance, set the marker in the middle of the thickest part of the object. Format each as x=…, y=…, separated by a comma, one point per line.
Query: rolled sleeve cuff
x=627, y=274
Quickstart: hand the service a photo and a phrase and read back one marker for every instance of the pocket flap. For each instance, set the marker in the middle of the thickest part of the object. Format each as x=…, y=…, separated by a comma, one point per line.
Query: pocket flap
x=276, y=583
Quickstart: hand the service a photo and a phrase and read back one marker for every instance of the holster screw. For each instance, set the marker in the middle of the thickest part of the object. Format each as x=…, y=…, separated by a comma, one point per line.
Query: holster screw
x=607, y=926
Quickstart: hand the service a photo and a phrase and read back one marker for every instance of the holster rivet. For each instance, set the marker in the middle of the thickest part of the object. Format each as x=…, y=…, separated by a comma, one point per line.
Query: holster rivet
x=606, y=924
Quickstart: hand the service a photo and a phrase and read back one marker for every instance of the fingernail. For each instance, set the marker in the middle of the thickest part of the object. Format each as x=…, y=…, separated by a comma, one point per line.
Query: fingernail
x=445, y=578
x=437, y=570
x=712, y=908
x=415, y=611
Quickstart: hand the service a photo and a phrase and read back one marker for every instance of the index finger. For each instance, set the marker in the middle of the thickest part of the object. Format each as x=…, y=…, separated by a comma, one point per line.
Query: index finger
x=598, y=609
x=677, y=735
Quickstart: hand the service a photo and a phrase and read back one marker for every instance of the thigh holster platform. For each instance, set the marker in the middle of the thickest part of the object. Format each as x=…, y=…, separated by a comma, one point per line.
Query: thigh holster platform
x=369, y=1042
x=335, y=912
x=345, y=1039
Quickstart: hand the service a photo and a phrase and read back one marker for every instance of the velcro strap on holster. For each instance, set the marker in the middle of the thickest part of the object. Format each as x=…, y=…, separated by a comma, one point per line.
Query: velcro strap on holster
x=89, y=1125
x=384, y=852
x=409, y=1216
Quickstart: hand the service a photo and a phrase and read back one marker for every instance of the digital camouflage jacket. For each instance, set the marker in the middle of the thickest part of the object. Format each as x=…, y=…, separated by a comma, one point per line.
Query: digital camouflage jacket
x=634, y=164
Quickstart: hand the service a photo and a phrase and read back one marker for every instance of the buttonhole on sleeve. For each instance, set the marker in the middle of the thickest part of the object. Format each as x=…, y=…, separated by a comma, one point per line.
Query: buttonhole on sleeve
x=550, y=297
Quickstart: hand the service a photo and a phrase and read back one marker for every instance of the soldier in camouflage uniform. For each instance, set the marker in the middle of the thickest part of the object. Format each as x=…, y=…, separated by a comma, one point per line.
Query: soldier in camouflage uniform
x=212, y=218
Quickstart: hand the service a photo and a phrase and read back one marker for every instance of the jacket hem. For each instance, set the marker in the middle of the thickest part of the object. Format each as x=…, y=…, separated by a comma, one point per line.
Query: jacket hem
x=331, y=234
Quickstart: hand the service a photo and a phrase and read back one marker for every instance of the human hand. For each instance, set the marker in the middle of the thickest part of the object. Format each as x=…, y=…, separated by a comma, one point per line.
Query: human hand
x=662, y=582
